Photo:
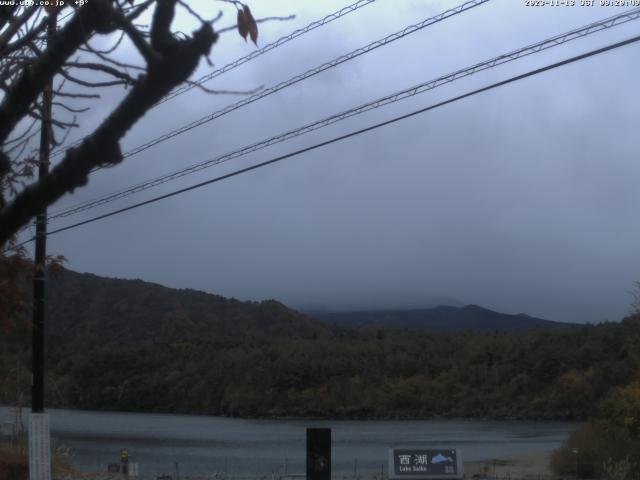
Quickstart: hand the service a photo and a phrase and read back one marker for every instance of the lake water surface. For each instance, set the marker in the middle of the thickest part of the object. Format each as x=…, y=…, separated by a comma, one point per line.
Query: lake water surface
x=241, y=447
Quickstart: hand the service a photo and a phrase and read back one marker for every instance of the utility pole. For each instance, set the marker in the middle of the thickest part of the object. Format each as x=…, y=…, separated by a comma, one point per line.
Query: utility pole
x=37, y=387
x=39, y=437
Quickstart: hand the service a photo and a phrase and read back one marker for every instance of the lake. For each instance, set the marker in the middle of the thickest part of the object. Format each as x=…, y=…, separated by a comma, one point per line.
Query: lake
x=204, y=445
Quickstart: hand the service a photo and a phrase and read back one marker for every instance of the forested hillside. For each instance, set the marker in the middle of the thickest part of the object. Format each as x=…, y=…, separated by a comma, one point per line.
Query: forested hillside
x=85, y=311
x=135, y=346
x=376, y=374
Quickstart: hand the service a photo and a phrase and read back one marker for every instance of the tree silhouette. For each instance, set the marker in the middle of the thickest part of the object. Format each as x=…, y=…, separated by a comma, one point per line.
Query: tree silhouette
x=42, y=46
x=29, y=62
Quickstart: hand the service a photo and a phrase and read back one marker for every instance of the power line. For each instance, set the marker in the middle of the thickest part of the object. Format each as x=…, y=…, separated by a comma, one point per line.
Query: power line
x=372, y=46
x=358, y=132
x=281, y=41
x=303, y=76
x=298, y=78
x=406, y=93
x=309, y=73
x=256, y=53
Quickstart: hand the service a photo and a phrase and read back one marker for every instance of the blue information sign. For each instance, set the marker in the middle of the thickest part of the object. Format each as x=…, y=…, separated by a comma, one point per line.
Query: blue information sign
x=425, y=463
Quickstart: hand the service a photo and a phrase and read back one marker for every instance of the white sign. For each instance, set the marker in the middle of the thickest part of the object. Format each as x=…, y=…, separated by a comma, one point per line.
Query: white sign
x=39, y=447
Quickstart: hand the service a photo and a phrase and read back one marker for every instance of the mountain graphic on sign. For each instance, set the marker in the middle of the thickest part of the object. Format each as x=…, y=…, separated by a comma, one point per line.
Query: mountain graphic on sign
x=439, y=458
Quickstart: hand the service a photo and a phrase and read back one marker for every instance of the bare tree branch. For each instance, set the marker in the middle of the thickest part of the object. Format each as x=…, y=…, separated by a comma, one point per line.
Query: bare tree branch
x=88, y=48
x=77, y=95
x=225, y=92
x=105, y=58
x=29, y=60
x=91, y=84
x=161, y=37
x=15, y=25
x=6, y=14
x=177, y=59
x=95, y=15
x=139, y=10
x=53, y=121
x=70, y=109
x=192, y=12
x=98, y=67
x=137, y=39
x=260, y=20
x=7, y=48
x=22, y=135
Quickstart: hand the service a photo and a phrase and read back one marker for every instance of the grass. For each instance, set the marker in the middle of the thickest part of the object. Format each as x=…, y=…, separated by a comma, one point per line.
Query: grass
x=14, y=461
x=14, y=464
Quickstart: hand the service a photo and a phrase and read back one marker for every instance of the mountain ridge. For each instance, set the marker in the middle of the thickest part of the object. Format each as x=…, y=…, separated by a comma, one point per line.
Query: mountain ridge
x=85, y=311
x=440, y=318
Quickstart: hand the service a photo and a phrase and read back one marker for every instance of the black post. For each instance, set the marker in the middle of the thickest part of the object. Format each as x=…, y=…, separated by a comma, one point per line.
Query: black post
x=318, y=454
x=37, y=386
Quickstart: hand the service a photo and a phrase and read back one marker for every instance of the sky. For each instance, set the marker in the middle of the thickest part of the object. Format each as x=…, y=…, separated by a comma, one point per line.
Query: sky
x=522, y=199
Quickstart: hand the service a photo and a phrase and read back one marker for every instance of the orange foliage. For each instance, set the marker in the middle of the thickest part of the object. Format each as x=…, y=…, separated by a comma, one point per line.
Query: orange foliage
x=13, y=465
x=16, y=273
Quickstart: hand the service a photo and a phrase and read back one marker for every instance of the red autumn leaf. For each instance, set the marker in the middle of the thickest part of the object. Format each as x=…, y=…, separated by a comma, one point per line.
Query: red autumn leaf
x=243, y=25
x=252, y=25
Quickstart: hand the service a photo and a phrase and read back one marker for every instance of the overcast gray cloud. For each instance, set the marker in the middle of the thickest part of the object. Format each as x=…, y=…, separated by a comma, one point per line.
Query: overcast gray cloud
x=522, y=199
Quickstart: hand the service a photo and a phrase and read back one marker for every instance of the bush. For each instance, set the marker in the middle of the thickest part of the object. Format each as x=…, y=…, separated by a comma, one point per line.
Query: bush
x=13, y=466
x=600, y=455
x=591, y=448
x=619, y=470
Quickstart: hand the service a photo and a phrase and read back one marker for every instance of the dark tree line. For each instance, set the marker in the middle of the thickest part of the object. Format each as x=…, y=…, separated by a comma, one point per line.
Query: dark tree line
x=380, y=373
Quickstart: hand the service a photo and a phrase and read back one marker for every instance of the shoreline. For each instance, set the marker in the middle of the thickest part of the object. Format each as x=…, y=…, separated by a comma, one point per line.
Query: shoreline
x=532, y=466
x=338, y=418
x=520, y=465
x=523, y=466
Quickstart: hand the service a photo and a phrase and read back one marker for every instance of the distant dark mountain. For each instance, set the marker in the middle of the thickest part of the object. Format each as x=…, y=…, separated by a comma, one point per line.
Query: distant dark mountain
x=428, y=303
x=85, y=311
x=442, y=318
x=317, y=311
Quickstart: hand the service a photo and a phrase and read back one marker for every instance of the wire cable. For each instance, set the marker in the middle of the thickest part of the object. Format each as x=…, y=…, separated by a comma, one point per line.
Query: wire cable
x=356, y=132
x=281, y=41
x=403, y=94
x=303, y=76
x=309, y=73
x=298, y=78
x=241, y=61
